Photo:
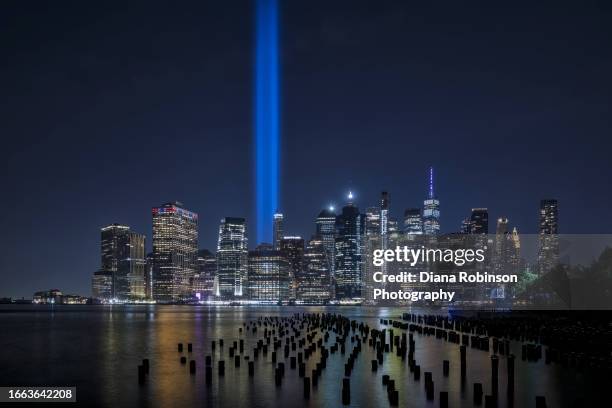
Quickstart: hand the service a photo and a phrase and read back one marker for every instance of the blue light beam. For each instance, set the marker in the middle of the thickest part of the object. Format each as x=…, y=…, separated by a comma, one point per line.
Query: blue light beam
x=266, y=116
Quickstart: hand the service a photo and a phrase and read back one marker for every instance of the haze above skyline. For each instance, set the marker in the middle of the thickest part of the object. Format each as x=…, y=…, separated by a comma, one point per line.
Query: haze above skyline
x=109, y=110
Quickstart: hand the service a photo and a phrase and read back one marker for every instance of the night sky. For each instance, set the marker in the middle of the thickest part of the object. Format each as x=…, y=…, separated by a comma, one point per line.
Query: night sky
x=109, y=110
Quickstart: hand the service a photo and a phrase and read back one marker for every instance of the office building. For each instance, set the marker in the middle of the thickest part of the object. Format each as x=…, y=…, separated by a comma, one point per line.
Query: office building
x=232, y=259
x=278, y=230
x=348, y=262
x=479, y=221
x=548, y=251
x=133, y=267
x=313, y=281
x=268, y=276
x=202, y=284
x=465, y=226
x=123, y=260
x=292, y=249
x=431, y=209
x=500, y=248
x=384, y=214
x=326, y=232
x=149, y=276
x=102, y=285
x=413, y=221
x=372, y=222
x=175, y=247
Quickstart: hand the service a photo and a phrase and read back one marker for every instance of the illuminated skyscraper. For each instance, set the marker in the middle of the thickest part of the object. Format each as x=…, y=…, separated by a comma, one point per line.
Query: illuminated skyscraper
x=232, y=259
x=203, y=281
x=431, y=209
x=384, y=214
x=478, y=227
x=113, y=239
x=326, y=232
x=465, y=226
x=123, y=260
x=413, y=222
x=479, y=221
x=314, y=280
x=506, y=256
x=502, y=226
x=278, y=230
x=349, y=226
x=500, y=248
x=372, y=222
x=292, y=249
x=548, y=253
x=386, y=227
x=149, y=276
x=268, y=275
x=175, y=248
x=133, y=267
x=102, y=285
x=515, y=251
x=549, y=217
x=392, y=227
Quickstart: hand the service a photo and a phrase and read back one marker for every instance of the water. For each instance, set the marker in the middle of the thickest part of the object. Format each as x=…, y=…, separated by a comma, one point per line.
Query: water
x=98, y=348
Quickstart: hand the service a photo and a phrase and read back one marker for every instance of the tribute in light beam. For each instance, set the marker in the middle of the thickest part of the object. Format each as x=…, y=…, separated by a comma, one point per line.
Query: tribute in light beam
x=266, y=116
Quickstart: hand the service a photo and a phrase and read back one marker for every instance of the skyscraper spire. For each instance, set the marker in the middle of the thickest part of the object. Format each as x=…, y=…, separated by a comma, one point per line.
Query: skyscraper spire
x=431, y=210
x=277, y=230
x=431, y=184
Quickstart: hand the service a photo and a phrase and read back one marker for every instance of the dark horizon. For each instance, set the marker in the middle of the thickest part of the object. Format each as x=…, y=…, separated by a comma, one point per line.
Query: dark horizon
x=111, y=110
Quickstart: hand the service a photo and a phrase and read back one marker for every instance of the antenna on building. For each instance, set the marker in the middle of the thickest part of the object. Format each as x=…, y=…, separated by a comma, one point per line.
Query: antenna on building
x=431, y=184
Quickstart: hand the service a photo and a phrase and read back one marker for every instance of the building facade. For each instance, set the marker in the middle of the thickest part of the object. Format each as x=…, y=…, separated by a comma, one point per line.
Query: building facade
x=203, y=282
x=325, y=231
x=232, y=259
x=278, y=230
x=149, y=276
x=123, y=262
x=102, y=285
x=313, y=282
x=548, y=251
x=175, y=247
x=384, y=215
x=268, y=279
x=348, y=260
x=413, y=221
x=292, y=249
x=479, y=221
x=372, y=222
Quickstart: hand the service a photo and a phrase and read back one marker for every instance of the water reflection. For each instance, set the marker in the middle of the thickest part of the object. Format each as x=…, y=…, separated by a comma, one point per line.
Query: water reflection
x=98, y=349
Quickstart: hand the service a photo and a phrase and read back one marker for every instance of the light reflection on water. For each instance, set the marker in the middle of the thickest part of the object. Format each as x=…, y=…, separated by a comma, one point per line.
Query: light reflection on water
x=98, y=349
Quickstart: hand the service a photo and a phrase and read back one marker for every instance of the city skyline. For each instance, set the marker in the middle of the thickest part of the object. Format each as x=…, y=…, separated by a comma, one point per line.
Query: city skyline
x=335, y=264
x=176, y=269
x=506, y=104
x=476, y=220
x=384, y=212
